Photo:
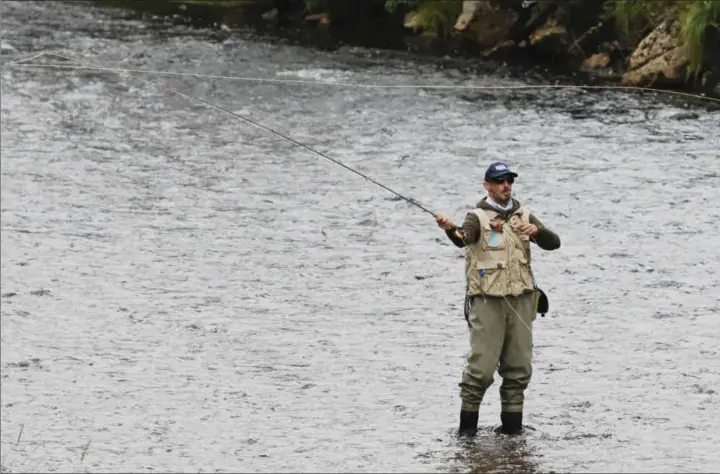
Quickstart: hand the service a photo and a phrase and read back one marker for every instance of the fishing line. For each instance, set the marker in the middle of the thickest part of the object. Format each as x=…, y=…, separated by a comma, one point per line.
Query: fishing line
x=246, y=119
x=23, y=63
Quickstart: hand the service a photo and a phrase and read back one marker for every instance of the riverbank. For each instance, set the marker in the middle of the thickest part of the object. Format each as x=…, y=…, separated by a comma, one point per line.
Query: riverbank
x=660, y=45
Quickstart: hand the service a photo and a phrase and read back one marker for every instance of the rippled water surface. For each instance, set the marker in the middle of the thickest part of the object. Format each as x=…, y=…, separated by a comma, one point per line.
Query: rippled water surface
x=182, y=291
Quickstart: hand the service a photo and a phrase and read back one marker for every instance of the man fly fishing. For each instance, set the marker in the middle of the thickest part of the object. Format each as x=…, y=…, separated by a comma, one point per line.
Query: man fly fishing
x=501, y=298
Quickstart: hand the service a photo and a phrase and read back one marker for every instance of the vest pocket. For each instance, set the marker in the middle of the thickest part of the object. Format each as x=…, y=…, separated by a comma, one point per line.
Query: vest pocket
x=491, y=277
x=489, y=271
x=492, y=239
x=486, y=267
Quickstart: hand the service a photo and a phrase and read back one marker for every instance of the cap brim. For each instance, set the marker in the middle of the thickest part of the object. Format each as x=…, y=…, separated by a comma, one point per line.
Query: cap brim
x=502, y=175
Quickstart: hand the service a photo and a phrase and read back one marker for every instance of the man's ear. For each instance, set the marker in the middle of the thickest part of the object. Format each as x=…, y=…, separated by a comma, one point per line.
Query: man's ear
x=486, y=185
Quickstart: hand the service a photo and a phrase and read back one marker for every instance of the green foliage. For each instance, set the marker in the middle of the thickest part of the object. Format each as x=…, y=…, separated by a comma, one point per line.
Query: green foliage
x=628, y=15
x=639, y=16
x=436, y=18
x=392, y=5
x=695, y=20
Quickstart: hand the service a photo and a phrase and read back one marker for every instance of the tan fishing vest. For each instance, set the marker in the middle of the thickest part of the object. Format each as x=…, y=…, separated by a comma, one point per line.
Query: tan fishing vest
x=498, y=264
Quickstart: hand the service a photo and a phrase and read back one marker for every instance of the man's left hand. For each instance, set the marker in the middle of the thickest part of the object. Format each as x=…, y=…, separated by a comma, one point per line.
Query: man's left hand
x=528, y=229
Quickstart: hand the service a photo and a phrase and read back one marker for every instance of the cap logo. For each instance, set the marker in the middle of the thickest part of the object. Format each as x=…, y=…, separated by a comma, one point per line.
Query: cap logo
x=500, y=167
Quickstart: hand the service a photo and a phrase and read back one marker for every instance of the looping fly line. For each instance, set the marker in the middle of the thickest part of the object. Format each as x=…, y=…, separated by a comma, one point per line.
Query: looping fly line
x=84, y=65
x=24, y=63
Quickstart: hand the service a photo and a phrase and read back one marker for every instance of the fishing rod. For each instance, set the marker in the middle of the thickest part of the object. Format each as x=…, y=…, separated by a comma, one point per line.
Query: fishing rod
x=246, y=119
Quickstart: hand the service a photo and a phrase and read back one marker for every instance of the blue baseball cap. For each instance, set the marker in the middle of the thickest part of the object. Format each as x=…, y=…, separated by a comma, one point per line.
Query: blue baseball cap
x=497, y=170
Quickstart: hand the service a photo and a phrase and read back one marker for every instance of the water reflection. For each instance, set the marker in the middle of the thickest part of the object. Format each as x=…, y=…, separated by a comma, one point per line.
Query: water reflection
x=491, y=452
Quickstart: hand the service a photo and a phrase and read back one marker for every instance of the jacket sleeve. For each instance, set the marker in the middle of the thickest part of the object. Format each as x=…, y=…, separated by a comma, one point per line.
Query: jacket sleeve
x=455, y=238
x=470, y=231
x=546, y=239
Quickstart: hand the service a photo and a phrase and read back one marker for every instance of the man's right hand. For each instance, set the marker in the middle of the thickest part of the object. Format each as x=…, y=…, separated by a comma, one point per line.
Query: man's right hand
x=444, y=222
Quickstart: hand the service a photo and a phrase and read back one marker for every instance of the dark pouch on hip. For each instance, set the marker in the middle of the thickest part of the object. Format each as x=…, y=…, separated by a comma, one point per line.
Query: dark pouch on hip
x=540, y=301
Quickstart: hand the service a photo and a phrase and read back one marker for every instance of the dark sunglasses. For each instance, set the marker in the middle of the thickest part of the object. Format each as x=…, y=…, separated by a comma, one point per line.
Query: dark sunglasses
x=509, y=179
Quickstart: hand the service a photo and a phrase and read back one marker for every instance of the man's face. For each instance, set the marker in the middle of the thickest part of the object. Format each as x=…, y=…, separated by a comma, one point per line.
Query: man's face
x=500, y=189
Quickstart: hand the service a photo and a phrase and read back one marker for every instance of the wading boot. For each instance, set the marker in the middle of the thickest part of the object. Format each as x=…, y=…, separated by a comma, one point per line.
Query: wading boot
x=468, y=423
x=511, y=423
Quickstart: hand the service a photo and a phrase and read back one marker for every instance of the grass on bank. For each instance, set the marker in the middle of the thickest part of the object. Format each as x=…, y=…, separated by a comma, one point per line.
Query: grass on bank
x=695, y=23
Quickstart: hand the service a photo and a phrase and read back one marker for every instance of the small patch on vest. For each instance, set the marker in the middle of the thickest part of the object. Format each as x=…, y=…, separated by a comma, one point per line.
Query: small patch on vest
x=493, y=239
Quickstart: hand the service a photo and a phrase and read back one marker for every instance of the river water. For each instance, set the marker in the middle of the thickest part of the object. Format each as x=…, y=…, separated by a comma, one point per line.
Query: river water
x=183, y=292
